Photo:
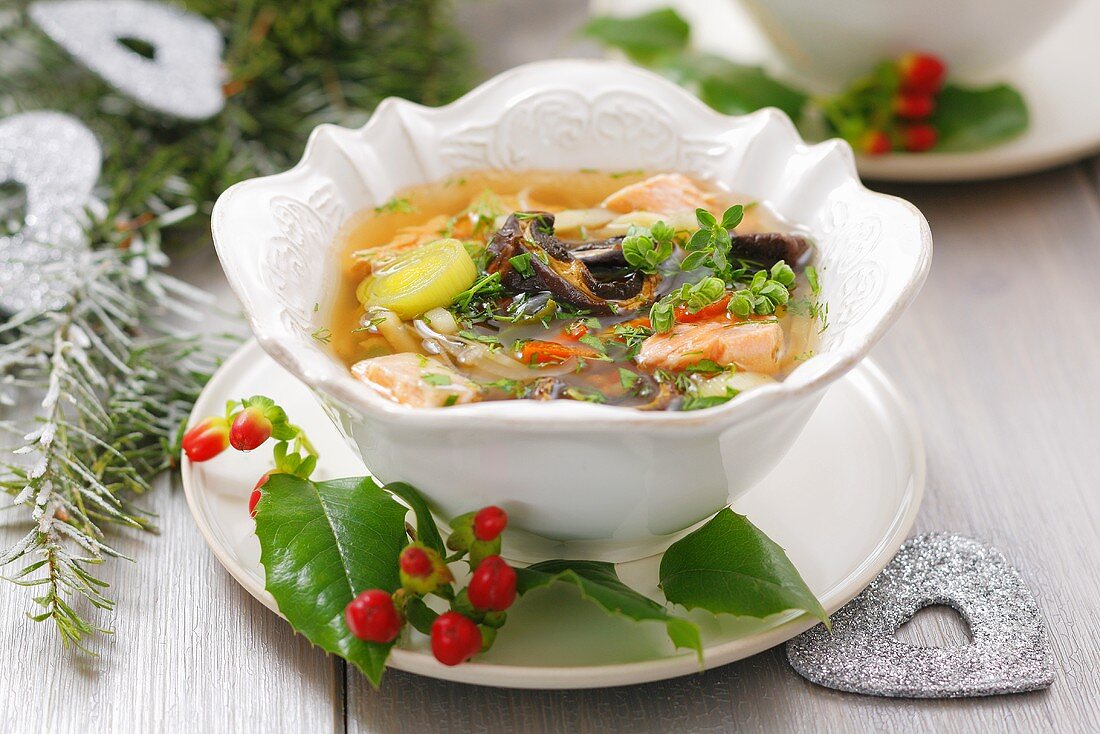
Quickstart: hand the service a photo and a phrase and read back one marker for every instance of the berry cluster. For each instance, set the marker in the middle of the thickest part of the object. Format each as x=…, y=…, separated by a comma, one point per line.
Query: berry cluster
x=476, y=612
x=375, y=615
x=891, y=108
x=246, y=425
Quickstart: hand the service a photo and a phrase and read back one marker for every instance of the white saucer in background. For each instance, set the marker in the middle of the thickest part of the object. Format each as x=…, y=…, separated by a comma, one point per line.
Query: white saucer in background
x=1059, y=79
x=841, y=503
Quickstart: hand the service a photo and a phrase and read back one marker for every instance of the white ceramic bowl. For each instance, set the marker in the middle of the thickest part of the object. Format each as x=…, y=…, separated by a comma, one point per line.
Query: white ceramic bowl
x=612, y=482
x=841, y=39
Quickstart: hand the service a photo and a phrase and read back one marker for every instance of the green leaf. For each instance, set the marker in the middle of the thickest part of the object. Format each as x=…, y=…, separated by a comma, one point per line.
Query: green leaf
x=701, y=402
x=972, y=119
x=643, y=37
x=599, y=583
x=730, y=566
x=320, y=545
x=706, y=219
x=427, y=532
x=694, y=260
x=661, y=315
x=419, y=614
x=733, y=216
x=736, y=89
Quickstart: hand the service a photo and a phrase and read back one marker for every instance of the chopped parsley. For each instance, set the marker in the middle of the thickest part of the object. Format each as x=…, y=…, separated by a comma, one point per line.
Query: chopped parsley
x=627, y=379
x=588, y=395
x=699, y=402
x=484, y=288
x=522, y=264
x=434, y=378
x=397, y=204
x=706, y=367
x=631, y=337
x=812, y=279
x=451, y=400
x=517, y=388
x=489, y=339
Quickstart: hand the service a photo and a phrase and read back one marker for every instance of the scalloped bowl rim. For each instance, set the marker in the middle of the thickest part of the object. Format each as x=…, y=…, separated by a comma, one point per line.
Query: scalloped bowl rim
x=568, y=415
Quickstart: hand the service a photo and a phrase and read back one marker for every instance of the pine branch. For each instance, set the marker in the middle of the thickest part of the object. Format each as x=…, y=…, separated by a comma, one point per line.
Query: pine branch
x=117, y=375
x=118, y=381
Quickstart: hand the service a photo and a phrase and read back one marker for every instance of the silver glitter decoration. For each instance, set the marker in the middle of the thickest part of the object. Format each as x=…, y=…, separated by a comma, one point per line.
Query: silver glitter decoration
x=184, y=78
x=56, y=160
x=1009, y=653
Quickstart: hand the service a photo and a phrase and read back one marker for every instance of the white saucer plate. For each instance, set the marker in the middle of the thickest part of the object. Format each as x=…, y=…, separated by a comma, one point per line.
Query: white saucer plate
x=840, y=503
x=1058, y=78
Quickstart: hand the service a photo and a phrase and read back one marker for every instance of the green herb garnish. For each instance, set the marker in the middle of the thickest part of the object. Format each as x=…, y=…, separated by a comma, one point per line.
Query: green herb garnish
x=646, y=249
x=699, y=402
x=627, y=379
x=587, y=395
x=397, y=204
x=706, y=367
x=434, y=378
x=522, y=264
x=693, y=296
x=765, y=292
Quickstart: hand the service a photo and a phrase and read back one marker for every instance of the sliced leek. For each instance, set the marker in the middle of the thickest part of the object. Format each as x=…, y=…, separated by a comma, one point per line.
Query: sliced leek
x=422, y=279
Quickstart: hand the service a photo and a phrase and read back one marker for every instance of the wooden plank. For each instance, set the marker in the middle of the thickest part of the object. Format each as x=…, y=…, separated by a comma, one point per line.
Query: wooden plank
x=192, y=651
x=999, y=356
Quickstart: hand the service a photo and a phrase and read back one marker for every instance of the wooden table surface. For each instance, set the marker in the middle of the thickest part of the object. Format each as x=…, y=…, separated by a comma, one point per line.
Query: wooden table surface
x=1000, y=356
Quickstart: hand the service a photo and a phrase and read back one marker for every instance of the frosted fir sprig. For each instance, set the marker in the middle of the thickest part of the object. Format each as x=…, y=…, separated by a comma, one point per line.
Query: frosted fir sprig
x=116, y=372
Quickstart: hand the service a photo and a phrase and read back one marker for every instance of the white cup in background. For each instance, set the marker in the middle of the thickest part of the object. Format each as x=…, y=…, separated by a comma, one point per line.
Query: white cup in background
x=837, y=40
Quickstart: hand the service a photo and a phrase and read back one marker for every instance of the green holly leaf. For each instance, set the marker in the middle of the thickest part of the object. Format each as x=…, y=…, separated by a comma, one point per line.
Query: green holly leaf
x=729, y=565
x=599, y=583
x=737, y=89
x=321, y=544
x=427, y=532
x=643, y=38
x=972, y=119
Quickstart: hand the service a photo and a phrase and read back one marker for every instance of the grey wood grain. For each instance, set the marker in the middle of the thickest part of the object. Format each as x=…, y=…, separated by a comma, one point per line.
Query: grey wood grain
x=999, y=357
x=192, y=651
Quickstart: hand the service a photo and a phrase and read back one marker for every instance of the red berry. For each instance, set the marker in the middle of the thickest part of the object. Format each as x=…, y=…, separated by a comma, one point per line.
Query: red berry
x=490, y=522
x=255, y=497
x=415, y=562
x=422, y=569
x=918, y=138
x=492, y=588
x=371, y=616
x=455, y=639
x=914, y=106
x=921, y=72
x=875, y=142
x=207, y=439
x=250, y=429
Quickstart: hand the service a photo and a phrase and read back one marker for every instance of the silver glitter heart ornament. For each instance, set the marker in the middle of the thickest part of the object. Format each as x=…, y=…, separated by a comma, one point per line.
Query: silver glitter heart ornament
x=1010, y=652
x=184, y=77
x=56, y=159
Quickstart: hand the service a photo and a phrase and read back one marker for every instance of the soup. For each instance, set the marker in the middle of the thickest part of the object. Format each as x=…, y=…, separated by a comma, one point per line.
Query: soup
x=657, y=292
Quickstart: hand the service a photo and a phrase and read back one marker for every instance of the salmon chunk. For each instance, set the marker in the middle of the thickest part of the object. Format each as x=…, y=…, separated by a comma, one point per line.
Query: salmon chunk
x=753, y=346
x=665, y=193
x=415, y=380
